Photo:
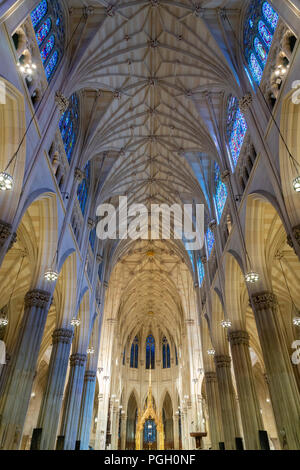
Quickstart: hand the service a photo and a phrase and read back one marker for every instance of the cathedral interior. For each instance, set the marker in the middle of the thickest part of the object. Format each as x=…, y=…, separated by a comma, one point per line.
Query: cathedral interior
x=140, y=344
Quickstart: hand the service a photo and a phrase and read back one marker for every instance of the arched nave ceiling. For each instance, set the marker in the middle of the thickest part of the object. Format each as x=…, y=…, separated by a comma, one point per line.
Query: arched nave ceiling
x=163, y=74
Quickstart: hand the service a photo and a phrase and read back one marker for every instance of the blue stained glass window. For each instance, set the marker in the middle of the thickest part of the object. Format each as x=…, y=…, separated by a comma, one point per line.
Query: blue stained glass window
x=83, y=189
x=124, y=357
x=236, y=141
x=210, y=240
x=43, y=31
x=53, y=23
x=260, y=50
x=51, y=66
x=265, y=33
x=150, y=352
x=93, y=238
x=69, y=126
x=45, y=52
x=134, y=354
x=39, y=12
x=150, y=431
x=255, y=69
x=270, y=15
x=166, y=354
x=220, y=191
x=201, y=271
x=260, y=25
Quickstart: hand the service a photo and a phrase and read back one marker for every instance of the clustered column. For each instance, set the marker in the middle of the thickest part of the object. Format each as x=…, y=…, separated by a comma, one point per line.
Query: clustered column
x=16, y=393
x=282, y=383
x=249, y=405
x=72, y=402
x=86, y=412
x=228, y=401
x=52, y=399
x=214, y=409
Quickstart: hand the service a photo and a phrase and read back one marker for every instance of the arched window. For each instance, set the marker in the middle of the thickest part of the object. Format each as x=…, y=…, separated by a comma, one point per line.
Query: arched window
x=150, y=352
x=83, y=189
x=69, y=126
x=134, y=354
x=201, y=272
x=93, y=239
x=48, y=22
x=210, y=241
x=166, y=354
x=220, y=192
x=176, y=356
x=260, y=26
x=150, y=431
x=236, y=129
x=124, y=356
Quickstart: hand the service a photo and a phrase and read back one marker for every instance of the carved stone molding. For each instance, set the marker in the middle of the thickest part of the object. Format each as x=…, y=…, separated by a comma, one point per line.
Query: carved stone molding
x=222, y=361
x=264, y=301
x=90, y=376
x=239, y=337
x=37, y=298
x=225, y=176
x=245, y=102
x=203, y=260
x=78, y=175
x=62, y=336
x=5, y=232
x=78, y=360
x=61, y=102
x=12, y=241
x=210, y=377
x=212, y=225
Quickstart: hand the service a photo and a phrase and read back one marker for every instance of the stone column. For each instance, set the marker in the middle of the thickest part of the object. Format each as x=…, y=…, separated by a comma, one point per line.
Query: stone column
x=52, y=399
x=282, y=383
x=72, y=402
x=16, y=393
x=214, y=409
x=123, y=431
x=228, y=401
x=114, y=428
x=86, y=412
x=176, y=431
x=249, y=404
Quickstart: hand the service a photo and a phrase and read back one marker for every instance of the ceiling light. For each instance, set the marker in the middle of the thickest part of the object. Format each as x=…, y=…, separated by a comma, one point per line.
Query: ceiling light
x=252, y=277
x=75, y=322
x=226, y=324
x=296, y=184
x=296, y=321
x=3, y=321
x=6, y=181
x=211, y=352
x=51, y=275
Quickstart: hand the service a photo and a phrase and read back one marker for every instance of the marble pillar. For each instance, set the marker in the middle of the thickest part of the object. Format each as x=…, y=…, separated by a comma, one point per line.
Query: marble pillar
x=52, y=398
x=227, y=401
x=70, y=419
x=214, y=409
x=281, y=379
x=86, y=411
x=15, y=396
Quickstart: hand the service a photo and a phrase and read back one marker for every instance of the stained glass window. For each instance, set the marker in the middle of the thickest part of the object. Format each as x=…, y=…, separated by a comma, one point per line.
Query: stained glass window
x=176, y=356
x=260, y=25
x=39, y=12
x=45, y=52
x=43, y=31
x=124, y=357
x=83, y=189
x=48, y=22
x=150, y=431
x=150, y=352
x=166, y=354
x=220, y=192
x=93, y=239
x=210, y=241
x=69, y=126
x=201, y=271
x=236, y=130
x=134, y=354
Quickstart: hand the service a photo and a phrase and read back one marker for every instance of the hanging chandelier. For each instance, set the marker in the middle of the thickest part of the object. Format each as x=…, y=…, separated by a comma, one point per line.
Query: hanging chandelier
x=296, y=321
x=211, y=352
x=75, y=322
x=3, y=321
x=90, y=351
x=51, y=275
x=252, y=277
x=6, y=181
x=296, y=184
x=226, y=324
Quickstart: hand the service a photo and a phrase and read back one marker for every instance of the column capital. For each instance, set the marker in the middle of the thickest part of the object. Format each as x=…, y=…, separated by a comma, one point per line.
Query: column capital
x=61, y=102
x=222, y=361
x=204, y=260
x=210, y=377
x=78, y=360
x=264, y=301
x=239, y=337
x=212, y=225
x=225, y=176
x=296, y=233
x=78, y=173
x=5, y=232
x=245, y=102
x=90, y=376
x=37, y=298
x=62, y=335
